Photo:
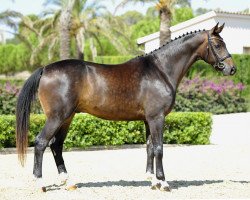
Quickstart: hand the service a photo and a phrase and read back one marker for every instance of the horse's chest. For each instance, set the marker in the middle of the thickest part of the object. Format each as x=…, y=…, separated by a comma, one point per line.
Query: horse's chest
x=158, y=97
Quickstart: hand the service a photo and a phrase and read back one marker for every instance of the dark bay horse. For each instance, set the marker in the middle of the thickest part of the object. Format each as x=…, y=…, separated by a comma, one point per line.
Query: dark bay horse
x=143, y=88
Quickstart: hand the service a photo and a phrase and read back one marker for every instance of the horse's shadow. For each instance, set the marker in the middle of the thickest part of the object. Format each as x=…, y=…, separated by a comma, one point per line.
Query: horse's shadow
x=173, y=184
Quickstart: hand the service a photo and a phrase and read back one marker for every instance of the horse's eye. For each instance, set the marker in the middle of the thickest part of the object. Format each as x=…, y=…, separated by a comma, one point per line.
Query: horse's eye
x=218, y=46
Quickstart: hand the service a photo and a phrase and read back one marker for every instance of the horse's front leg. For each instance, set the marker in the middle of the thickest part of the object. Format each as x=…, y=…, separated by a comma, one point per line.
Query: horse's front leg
x=150, y=154
x=156, y=124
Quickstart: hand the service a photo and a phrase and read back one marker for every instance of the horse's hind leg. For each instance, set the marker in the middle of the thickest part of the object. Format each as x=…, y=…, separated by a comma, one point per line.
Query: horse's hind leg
x=51, y=126
x=150, y=154
x=56, y=146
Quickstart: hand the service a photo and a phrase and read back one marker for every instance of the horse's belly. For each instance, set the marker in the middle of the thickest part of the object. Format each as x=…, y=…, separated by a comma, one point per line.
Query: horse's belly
x=113, y=111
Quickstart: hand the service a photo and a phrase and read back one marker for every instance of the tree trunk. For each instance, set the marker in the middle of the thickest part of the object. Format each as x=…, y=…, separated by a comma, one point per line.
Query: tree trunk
x=93, y=49
x=65, y=25
x=165, y=20
x=80, y=42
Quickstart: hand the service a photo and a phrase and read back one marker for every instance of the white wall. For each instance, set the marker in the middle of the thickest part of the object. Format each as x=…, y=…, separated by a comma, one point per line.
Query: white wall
x=208, y=24
x=236, y=34
x=152, y=45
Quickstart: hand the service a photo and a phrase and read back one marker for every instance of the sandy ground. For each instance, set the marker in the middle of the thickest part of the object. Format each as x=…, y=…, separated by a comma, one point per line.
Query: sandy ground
x=231, y=129
x=212, y=171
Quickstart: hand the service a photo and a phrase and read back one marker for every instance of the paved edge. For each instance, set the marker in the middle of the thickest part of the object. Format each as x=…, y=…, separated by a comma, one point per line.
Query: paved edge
x=92, y=148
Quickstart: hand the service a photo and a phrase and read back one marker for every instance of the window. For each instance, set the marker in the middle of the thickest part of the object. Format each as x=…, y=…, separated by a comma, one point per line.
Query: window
x=246, y=50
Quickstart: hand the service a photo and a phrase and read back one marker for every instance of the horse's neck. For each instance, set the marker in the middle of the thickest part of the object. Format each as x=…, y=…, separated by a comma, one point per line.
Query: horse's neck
x=177, y=60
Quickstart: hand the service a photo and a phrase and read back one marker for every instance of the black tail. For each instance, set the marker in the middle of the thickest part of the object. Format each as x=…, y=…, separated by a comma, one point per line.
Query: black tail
x=26, y=96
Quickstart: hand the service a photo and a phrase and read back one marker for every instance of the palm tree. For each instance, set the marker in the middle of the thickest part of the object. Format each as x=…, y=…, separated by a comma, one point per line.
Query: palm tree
x=86, y=21
x=65, y=26
x=64, y=22
x=165, y=8
x=25, y=26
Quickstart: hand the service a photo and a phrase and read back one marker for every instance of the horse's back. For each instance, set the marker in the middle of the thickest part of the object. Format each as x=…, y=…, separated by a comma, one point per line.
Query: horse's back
x=107, y=91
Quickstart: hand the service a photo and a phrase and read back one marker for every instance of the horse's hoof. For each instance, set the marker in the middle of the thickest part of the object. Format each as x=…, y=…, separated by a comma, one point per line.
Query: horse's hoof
x=160, y=185
x=43, y=189
x=71, y=188
x=165, y=187
x=155, y=187
x=63, y=178
x=149, y=176
x=40, y=185
x=156, y=184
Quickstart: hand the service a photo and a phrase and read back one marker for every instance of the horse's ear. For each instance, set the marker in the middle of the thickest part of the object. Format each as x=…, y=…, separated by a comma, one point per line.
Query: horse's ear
x=213, y=30
x=217, y=29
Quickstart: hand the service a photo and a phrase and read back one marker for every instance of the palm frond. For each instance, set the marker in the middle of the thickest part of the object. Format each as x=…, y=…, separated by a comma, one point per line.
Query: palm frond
x=10, y=18
x=52, y=45
x=165, y=4
x=29, y=24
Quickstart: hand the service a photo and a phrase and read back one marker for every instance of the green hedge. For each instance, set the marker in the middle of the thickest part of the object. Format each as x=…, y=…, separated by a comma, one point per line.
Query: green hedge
x=86, y=130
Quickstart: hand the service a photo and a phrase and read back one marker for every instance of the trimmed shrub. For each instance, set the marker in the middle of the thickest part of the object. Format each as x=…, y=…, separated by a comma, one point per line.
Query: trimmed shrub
x=223, y=96
x=86, y=130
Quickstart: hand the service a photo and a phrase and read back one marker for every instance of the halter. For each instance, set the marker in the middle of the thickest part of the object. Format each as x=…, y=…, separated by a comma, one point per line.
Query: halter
x=219, y=61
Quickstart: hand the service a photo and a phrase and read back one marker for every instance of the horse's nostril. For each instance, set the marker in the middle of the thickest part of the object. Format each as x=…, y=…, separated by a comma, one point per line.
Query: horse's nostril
x=233, y=70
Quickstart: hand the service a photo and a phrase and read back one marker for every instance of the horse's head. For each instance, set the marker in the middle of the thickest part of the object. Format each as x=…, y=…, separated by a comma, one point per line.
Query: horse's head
x=215, y=51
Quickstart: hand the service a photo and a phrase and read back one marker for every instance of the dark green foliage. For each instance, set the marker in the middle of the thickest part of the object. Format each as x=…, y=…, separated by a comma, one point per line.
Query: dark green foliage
x=243, y=68
x=14, y=58
x=145, y=27
x=7, y=131
x=112, y=59
x=181, y=15
x=188, y=128
x=86, y=130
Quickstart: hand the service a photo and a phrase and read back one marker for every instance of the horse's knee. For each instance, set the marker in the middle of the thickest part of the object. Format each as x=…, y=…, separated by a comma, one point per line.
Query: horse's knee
x=158, y=151
x=40, y=143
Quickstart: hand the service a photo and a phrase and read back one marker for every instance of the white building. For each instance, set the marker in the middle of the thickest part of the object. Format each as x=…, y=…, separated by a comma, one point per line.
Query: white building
x=236, y=32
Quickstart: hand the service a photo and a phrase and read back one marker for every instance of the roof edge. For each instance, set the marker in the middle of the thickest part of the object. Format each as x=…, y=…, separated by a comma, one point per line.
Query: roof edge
x=192, y=21
x=148, y=38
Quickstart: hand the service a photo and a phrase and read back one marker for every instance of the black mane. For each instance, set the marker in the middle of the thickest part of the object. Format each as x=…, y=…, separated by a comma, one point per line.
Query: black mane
x=179, y=39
